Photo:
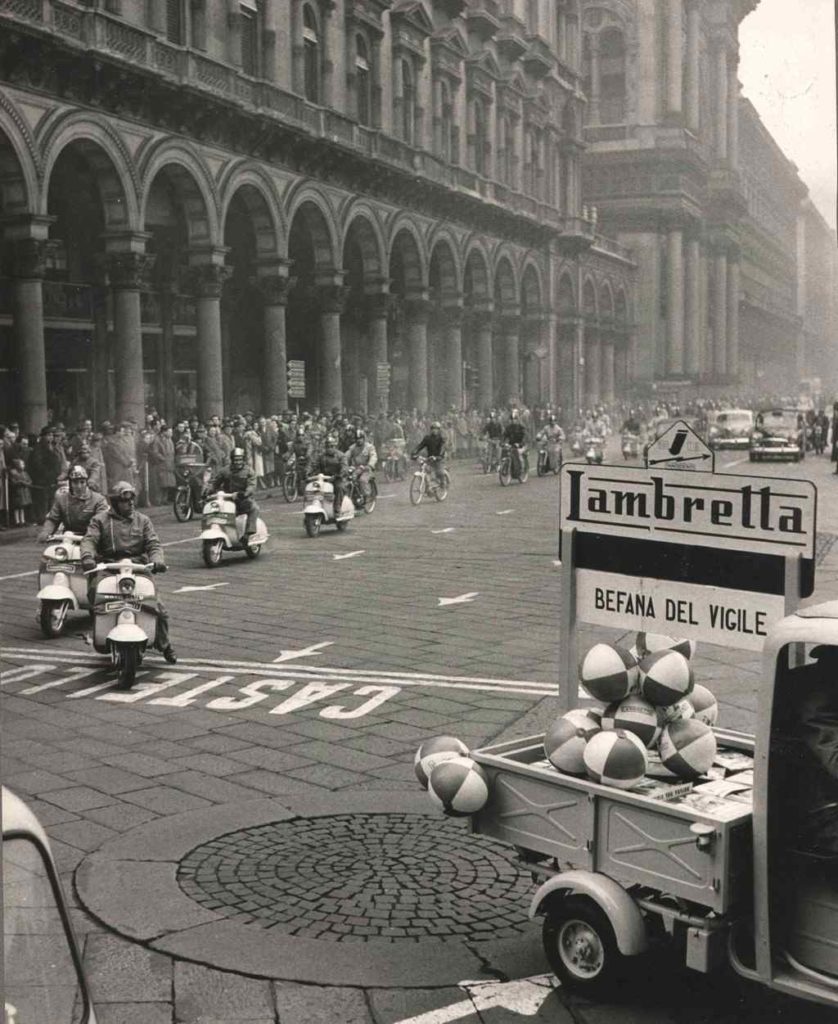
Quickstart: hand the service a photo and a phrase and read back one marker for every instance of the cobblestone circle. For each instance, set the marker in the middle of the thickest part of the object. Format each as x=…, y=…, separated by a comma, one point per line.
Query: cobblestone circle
x=381, y=877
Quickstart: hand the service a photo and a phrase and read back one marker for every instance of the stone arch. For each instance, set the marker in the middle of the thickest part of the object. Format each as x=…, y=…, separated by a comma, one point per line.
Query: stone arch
x=590, y=308
x=477, y=281
x=191, y=182
x=307, y=206
x=566, y=295
x=257, y=192
x=361, y=225
x=506, y=288
x=606, y=300
x=105, y=153
x=442, y=239
x=19, y=162
x=406, y=244
x=444, y=274
x=621, y=314
x=531, y=289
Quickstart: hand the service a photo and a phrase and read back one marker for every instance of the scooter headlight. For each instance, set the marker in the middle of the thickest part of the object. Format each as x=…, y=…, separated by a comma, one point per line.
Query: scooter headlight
x=60, y=554
x=126, y=616
x=127, y=585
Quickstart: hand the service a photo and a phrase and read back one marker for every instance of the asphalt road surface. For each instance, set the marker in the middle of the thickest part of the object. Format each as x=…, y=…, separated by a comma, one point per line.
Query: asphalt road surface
x=282, y=744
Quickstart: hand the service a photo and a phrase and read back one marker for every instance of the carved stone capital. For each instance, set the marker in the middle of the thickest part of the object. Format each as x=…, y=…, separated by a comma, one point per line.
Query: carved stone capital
x=206, y=280
x=128, y=271
x=30, y=257
x=378, y=305
x=451, y=316
x=332, y=298
x=275, y=289
x=418, y=310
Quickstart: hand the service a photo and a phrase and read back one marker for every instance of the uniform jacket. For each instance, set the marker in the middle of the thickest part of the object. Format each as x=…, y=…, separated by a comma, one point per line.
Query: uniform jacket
x=75, y=513
x=110, y=537
x=235, y=481
x=366, y=456
x=433, y=444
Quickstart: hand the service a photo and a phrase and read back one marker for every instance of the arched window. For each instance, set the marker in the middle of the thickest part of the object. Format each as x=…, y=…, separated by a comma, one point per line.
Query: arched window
x=612, y=81
x=311, y=55
x=363, y=80
x=408, y=125
x=481, y=137
x=174, y=21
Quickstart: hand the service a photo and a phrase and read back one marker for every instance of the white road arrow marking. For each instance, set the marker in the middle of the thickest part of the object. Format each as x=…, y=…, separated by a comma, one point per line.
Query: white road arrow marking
x=349, y=554
x=448, y=529
x=505, y=512
x=524, y=997
x=306, y=652
x=208, y=586
x=462, y=599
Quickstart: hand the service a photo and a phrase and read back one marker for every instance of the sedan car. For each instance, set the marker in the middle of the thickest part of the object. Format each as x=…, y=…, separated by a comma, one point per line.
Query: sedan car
x=778, y=434
x=730, y=428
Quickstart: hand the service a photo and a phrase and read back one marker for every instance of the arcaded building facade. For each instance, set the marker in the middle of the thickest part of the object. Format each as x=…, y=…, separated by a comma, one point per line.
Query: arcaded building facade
x=195, y=192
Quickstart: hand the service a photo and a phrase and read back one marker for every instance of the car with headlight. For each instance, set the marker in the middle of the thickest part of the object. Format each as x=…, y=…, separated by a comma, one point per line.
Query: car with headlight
x=730, y=428
x=778, y=434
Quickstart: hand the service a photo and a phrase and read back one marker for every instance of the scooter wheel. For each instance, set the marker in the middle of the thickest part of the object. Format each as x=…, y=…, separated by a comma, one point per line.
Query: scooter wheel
x=53, y=618
x=252, y=550
x=211, y=551
x=127, y=663
x=312, y=525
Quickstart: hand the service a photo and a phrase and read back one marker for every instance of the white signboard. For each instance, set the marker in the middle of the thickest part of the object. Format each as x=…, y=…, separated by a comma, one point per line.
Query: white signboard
x=716, y=615
x=760, y=515
x=296, y=378
x=679, y=447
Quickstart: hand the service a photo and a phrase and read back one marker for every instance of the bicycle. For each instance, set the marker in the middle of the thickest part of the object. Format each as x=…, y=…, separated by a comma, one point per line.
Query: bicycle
x=489, y=455
x=186, y=502
x=425, y=482
x=293, y=479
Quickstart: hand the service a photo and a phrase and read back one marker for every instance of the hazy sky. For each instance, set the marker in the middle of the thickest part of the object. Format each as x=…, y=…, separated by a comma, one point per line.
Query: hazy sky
x=787, y=70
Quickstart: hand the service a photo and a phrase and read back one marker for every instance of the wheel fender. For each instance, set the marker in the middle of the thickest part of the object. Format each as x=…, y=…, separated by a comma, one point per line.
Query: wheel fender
x=213, y=533
x=127, y=633
x=55, y=592
x=314, y=508
x=610, y=897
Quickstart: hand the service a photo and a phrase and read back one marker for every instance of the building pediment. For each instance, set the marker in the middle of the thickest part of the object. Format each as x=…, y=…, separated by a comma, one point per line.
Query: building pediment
x=448, y=51
x=411, y=16
x=369, y=13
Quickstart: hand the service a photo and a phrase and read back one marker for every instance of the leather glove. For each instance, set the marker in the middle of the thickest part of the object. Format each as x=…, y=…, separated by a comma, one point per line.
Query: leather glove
x=160, y=567
x=88, y=562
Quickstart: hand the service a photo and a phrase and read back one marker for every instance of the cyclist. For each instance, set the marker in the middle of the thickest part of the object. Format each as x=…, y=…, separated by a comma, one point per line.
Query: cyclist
x=434, y=445
x=493, y=432
x=515, y=435
x=363, y=456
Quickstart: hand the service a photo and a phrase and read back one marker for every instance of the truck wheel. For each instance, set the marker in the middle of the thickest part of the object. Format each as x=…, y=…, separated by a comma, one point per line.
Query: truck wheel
x=580, y=946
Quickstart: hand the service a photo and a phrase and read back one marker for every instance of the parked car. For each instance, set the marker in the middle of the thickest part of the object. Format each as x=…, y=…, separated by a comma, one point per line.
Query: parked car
x=730, y=428
x=778, y=434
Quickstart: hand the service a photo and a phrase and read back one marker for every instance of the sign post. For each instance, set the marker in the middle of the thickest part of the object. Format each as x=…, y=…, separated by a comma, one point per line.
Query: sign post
x=296, y=378
x=382, y=384
x=712, y=557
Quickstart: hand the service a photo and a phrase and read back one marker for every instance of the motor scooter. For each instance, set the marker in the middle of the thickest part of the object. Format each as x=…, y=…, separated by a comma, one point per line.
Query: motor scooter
x=593, y=451
x=549, y=455
x=222, y=528
x=630, y=446
x=318, y=508
x=61, y=581
x=577, y=445
x=506, y=472
x=124, y=615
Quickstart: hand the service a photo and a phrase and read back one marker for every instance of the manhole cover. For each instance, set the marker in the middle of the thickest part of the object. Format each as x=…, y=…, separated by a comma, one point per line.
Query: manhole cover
x=393, y=877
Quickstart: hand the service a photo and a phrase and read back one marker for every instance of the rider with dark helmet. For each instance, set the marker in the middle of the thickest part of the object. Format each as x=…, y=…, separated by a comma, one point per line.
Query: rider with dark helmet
x=122, y=532
x=332, y=462
x=74, y=507
x=239, y=479
x=515, y=435
x=434, y=445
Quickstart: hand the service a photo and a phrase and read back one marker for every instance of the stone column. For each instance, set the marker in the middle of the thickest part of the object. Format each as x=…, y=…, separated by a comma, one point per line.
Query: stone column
x=273, y=282
x=378, y=305
x=208, y=277
x=732, y=361
x=594, y=96
x=482, y=326
x=511, y=342
x=578, y=384
x=607, y=388
x=721, y=103
x=675, y=303
x=101, y=351
x=157, y=15
x=674, y=57
x=28, y=316
x=692, y=309
x=437, y=116
x=269, y=38
x=128, y=266
x=452, y=343
x=329, y=45
x=693, y=77
x=733, y=112
x=166, y=364
x=331, y=299
x=417, y=310
x=592, y=366
x=719, y=315
x=234, y=33
x=297, y=48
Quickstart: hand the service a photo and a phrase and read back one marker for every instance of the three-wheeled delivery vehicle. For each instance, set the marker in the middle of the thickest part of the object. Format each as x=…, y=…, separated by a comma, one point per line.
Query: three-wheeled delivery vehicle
x=743, y=866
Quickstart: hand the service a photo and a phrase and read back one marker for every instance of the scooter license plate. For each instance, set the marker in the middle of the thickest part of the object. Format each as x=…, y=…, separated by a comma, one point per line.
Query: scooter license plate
x=118, y=606
x=62, y=567
x=216, y=521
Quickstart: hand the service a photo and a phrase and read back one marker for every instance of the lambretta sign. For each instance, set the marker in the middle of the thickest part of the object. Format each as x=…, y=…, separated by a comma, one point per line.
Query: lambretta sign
x=744, y=513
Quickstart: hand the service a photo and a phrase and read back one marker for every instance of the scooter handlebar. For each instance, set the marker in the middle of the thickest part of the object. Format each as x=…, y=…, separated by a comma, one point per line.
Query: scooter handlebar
x=141, y=567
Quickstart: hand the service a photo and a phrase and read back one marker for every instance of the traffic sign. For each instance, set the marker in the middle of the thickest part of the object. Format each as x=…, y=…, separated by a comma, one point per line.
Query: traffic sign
x=382, y=378
x=679, y=447
x=296, y=378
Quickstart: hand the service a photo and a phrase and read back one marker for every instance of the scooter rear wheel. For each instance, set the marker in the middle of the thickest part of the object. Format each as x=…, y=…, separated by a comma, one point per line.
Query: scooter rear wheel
x=211, y=550
x=127, y=663
x=312, y=524
x=53, y=618
x=252, y=550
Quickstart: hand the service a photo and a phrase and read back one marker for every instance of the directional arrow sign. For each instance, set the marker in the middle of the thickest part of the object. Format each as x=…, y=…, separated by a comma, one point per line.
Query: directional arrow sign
x=306, y=652
x=680, y=448
x=505, y=512
x=448, y=529
x=462, y=599
x=524, y=998
x=208, y=586
x=349, y=554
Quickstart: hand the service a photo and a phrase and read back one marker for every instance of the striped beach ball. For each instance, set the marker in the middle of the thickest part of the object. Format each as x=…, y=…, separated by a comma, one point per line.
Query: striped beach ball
x=688, y=748
x=608, y=672
x=705, y=704
x=433, y=752
x=648, y=643
x=636, y=715
x=665, y=677
x=459, y=786
x=615, y=758
x=565, y=740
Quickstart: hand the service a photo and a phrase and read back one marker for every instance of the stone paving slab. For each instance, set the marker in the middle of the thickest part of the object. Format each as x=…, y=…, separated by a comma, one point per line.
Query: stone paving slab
x=203, y=995
x=303, y=1004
